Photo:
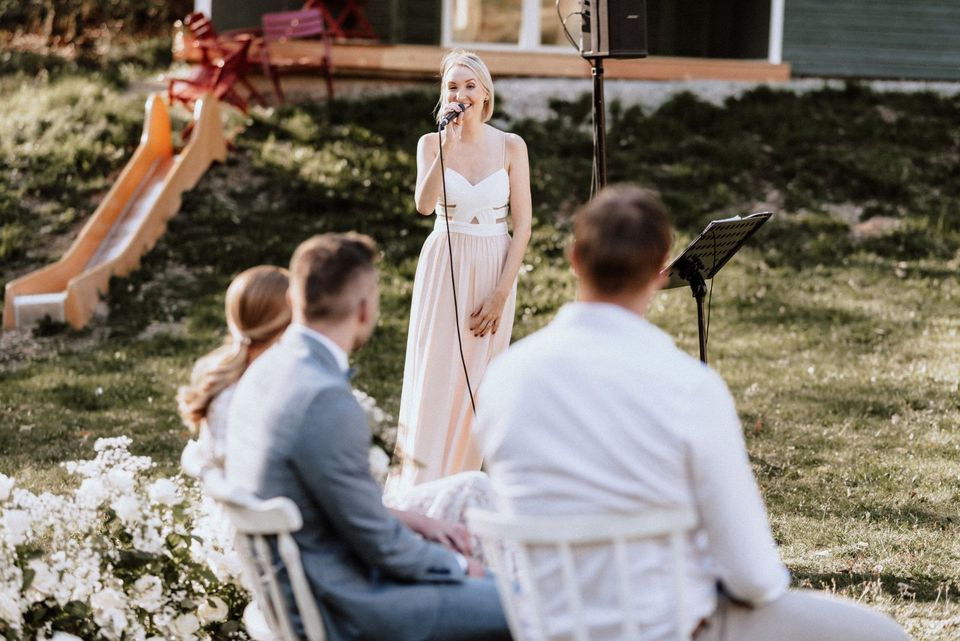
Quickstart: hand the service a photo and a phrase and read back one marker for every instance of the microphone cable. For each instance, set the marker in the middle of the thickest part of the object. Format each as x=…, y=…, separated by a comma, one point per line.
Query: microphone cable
x=453, y=281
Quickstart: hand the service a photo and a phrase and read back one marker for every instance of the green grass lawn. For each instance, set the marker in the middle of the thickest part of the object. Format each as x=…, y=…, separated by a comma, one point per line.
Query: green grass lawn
x=842, y=350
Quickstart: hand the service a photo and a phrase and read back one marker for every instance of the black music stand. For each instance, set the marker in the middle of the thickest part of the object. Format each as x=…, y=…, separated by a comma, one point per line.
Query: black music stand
x=704, y=257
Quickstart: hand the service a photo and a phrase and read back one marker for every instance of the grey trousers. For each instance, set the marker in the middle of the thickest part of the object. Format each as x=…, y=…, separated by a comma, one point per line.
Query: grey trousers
x=799, y=615
x=470, y=611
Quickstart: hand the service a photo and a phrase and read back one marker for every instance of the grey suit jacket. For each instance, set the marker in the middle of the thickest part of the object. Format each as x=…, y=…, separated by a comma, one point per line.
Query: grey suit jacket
x=295, y=430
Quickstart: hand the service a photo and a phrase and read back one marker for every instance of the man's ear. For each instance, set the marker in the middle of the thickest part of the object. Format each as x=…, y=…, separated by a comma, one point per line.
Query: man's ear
x=574, y=259
x=291, y=303
x=663, y=278
x=363, y=310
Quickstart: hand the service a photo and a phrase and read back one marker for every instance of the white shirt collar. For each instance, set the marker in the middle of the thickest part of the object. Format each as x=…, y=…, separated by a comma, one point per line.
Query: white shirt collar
x=579, y=309
x=340, y=356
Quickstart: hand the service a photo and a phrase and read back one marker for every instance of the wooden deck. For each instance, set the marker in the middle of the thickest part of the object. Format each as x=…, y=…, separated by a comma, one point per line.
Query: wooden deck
x=422, y=62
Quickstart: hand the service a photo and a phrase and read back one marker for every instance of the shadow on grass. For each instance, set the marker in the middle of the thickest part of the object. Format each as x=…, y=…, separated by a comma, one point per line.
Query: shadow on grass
x=780, y=311
x=932, y=518
x=919, y=588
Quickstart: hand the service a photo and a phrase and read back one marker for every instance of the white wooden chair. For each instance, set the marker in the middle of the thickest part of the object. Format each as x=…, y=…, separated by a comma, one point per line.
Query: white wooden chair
x=508, y=542
x=257, y=522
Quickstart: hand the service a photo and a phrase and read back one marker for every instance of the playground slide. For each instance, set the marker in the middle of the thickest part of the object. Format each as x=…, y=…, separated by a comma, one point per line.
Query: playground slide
x=128, y=222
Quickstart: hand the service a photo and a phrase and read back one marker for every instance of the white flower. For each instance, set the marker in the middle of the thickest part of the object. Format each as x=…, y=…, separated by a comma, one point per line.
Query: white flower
x=108, y=611
x=376, y=416
x=120, y=479
x=127, y=508
x=148, y=593
x=117, y=442
x=10, y=611
x=6, y=487
x=14, y=525
x=194, y=459
x=164, y=491
x=212, y=609
x=379, y=464
x=64, y=636
x=45, y=581
x=185, y=626
x=91, y=492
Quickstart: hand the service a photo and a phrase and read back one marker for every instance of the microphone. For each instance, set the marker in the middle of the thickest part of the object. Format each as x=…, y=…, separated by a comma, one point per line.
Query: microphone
x=452, y=115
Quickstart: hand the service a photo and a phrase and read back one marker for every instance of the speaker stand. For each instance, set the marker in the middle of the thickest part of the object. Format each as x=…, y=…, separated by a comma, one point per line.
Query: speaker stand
x=599, y=126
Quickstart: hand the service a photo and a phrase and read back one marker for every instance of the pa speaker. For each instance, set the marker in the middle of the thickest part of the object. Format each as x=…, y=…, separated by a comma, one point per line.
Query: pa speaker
x=613, y=29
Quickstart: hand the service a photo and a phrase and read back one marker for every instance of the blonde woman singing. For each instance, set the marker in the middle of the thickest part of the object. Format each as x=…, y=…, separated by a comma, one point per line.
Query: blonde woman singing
x=487, y=179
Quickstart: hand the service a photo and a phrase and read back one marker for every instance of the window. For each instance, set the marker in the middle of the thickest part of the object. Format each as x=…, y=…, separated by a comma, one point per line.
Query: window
x=510, y=24
x=551, y=29
x=486, y=21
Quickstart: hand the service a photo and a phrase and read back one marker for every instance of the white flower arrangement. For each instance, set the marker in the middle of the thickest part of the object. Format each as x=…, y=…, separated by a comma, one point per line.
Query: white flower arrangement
x=384, y=430
x=122, y=557
x=125, y=557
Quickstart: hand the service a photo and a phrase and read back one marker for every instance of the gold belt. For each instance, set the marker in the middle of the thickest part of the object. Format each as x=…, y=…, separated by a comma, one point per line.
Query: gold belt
x=475, y=221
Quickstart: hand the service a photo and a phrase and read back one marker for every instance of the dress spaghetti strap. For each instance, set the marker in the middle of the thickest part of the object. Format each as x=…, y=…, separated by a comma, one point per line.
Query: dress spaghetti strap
x=503, y=143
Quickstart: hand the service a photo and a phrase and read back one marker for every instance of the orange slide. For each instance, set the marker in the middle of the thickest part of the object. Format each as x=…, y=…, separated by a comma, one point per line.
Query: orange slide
x=128, y=222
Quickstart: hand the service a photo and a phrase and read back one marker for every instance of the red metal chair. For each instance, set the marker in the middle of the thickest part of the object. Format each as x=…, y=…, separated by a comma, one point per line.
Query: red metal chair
x=292, y=25
x=201, y=30
x=328, y=18
x=200, y=26
x=350, y=22
x=214, y=48
x=218, y=76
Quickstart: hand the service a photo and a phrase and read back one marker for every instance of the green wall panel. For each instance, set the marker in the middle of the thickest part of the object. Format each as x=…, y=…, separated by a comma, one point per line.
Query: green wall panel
x=873, y=38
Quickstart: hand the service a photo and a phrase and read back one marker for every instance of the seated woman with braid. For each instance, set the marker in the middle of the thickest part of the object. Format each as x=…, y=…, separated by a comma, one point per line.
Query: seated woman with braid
x=257, y=314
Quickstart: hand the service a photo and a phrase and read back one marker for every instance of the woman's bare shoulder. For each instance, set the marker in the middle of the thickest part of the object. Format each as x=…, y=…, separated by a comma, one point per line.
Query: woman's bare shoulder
x=429, y=140
x=516, y=147
x=514, y=141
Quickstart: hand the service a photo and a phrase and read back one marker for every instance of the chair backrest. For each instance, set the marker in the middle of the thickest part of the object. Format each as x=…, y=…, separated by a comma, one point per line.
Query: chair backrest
x=510, y=543
x=235, y=63
x=257, y=523
x=290, y=25
x=200, y=26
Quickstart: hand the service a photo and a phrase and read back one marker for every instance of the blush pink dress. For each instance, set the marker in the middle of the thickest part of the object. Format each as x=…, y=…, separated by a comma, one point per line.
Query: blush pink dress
x=434, y=439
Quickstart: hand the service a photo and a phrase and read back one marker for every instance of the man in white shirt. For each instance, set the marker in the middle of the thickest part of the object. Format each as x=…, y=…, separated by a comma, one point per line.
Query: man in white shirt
x=599, y=412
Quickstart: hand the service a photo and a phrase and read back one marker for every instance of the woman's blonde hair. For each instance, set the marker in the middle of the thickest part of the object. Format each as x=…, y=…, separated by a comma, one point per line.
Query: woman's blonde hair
x=470, y=60
x=257, y=312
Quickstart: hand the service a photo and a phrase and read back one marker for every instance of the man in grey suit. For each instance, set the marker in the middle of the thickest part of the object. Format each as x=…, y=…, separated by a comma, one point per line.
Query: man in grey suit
x=296, y=430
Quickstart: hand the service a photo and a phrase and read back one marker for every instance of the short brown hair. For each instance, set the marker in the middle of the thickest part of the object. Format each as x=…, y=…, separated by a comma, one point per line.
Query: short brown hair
x=621, y=238
x=323, y=267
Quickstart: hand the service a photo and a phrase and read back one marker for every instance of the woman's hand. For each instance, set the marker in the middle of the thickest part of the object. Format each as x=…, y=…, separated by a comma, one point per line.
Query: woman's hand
x=450, y=135
x=486, y=318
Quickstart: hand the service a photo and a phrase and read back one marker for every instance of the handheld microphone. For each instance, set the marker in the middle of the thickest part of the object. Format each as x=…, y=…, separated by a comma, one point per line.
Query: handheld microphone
x=452, y=115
